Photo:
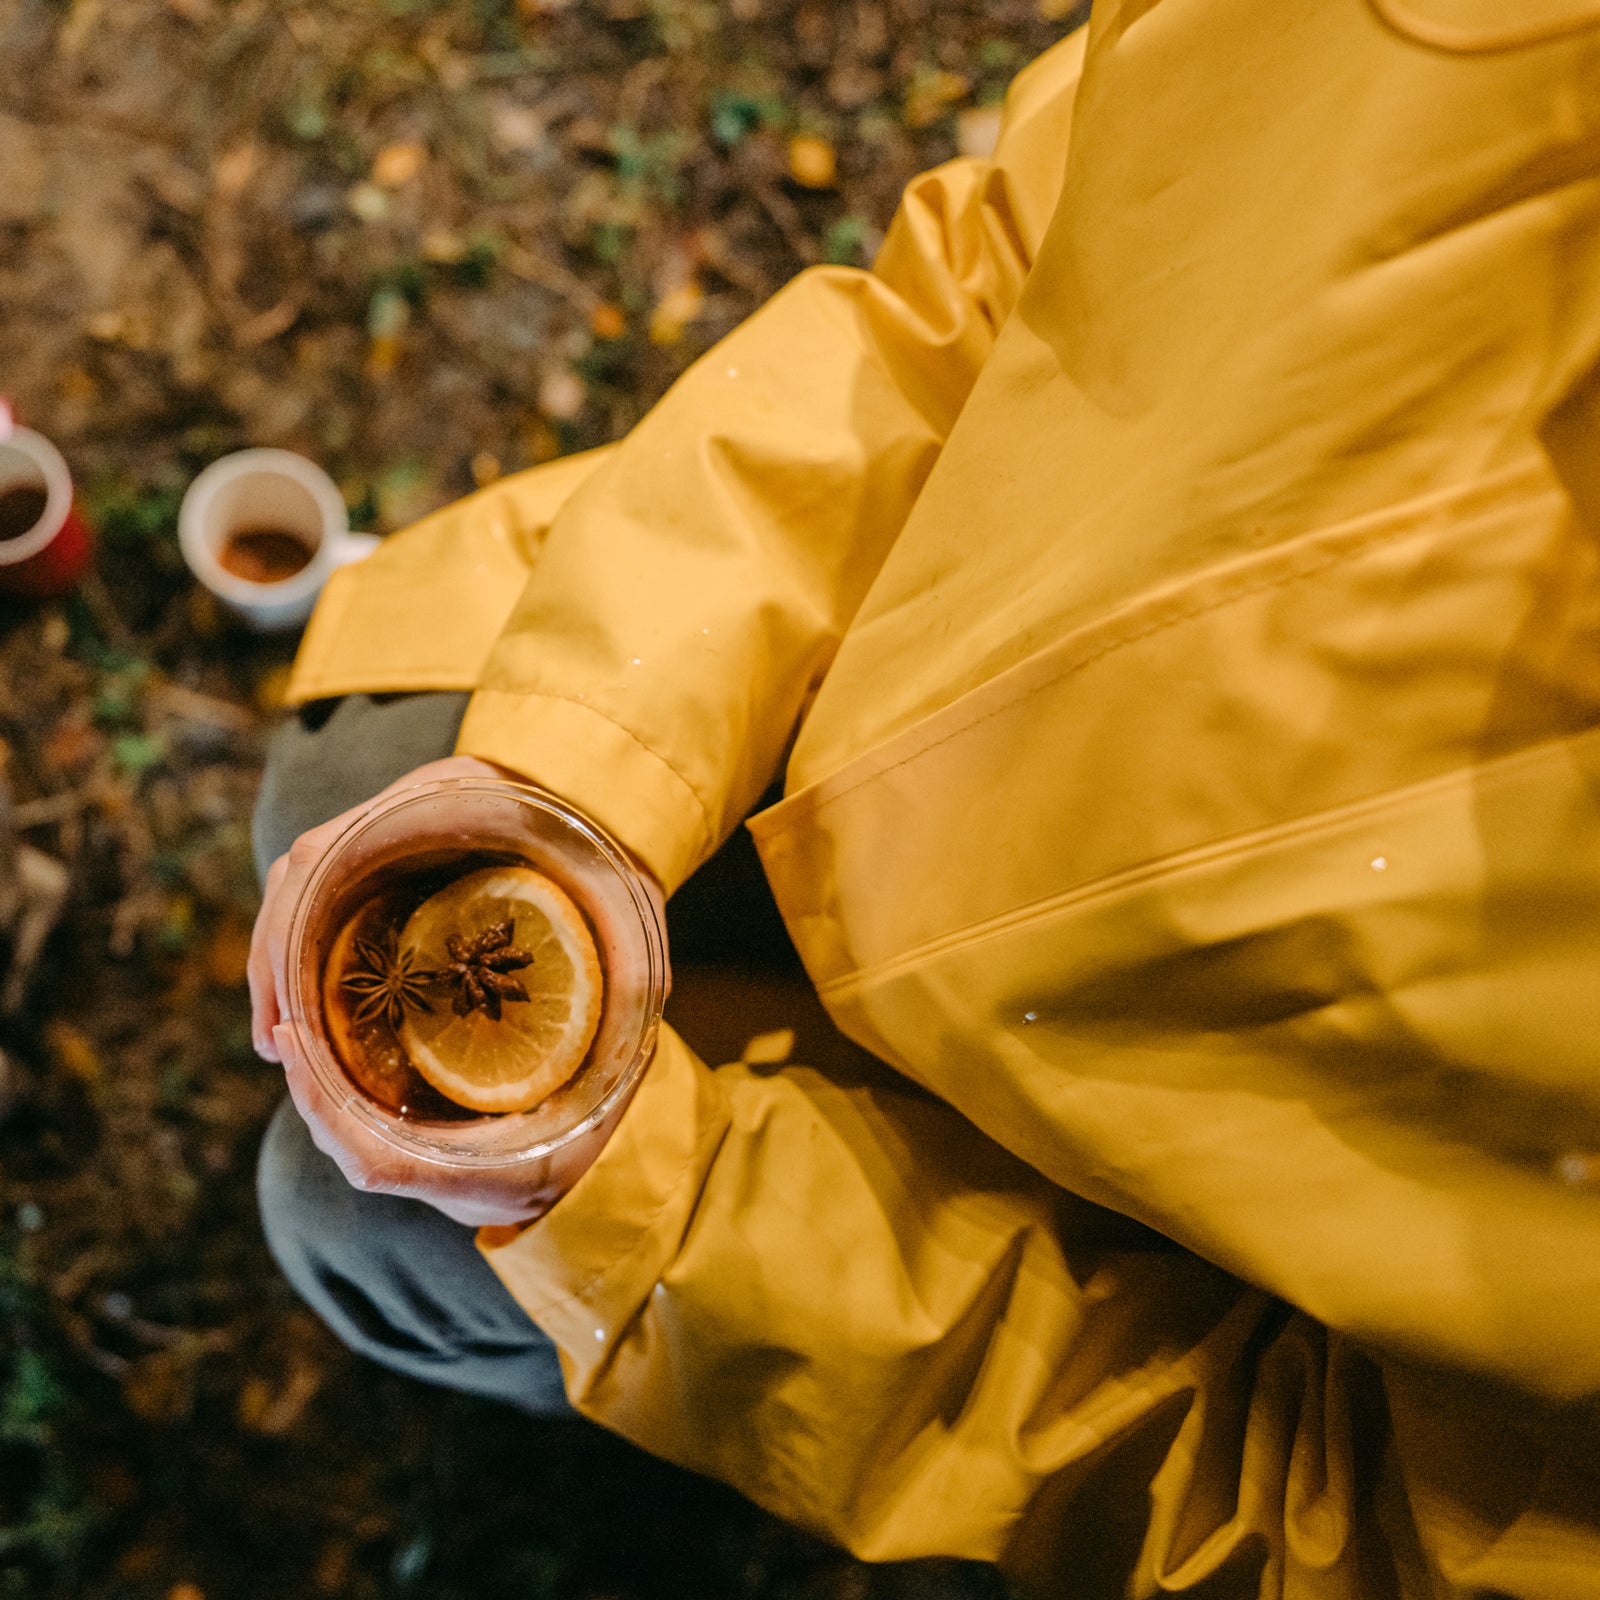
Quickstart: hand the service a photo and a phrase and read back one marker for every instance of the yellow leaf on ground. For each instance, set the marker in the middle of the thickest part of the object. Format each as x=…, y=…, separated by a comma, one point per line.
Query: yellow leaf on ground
x=443, y=248
x=228, y=954
x=368, y=202
x=383, y=356
x=562, y=395
x=930, y=94
x=397, y=164
x=73, y=1051
x=677, y=308
x=271, y=687
x=608, y=321
x=235, y=168
x=978, y=131
x=812, y=161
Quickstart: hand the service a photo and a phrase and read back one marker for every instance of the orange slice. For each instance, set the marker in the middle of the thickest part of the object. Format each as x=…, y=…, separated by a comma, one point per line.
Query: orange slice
x=366, y=1046
x=512, y=1062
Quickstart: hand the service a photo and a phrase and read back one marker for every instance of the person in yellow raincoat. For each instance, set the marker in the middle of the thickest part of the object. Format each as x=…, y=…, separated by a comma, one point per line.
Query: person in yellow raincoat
x=1169, y=586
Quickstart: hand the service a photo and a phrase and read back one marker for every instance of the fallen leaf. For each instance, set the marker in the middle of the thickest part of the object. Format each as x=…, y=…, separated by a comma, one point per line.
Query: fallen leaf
x=443, y=248
x=562, y=395
x=812, y=161
x=677, y=308
x=332, y=1571
x=367, y=202
x=79, y=25
x=608, y=321
x=76, y=384
x=514, y=128
x=228, y=954
x=541, y=441
x=73, y=1051
x=261, y=1409
x=978, y=131
x=396, y=165
x=235, y=168
x=388, y=312
x=930, y=94
x=139, y=1561
x=138, y=752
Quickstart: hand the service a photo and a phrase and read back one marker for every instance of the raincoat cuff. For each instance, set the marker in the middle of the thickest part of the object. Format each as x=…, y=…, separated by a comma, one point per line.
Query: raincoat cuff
x=586, y=1267
x=598, y=766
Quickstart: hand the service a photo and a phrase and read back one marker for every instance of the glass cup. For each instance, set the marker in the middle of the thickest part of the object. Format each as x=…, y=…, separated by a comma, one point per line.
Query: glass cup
x=429, y=825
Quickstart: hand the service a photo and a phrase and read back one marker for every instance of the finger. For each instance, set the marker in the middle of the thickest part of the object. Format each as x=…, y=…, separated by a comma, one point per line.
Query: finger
x=264, y=1013
x=368, y=1162
x=278, y=914
x=327, y=1123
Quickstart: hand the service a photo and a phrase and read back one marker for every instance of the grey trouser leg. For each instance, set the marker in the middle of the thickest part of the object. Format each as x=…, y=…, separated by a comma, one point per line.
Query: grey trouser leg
x=394, y=1279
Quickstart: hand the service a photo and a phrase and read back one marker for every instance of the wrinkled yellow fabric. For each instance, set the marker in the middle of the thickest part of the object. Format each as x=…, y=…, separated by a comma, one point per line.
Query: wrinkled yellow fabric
x=1170, y=579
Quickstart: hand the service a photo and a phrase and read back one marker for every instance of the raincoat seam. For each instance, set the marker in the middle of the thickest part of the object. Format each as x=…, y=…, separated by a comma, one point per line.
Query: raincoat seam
x=1313, y=567
x=1215, y=851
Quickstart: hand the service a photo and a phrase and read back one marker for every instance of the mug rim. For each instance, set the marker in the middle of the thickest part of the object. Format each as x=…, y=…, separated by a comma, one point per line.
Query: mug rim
x=319, y=1056
x=58, y=495
x=245, y=592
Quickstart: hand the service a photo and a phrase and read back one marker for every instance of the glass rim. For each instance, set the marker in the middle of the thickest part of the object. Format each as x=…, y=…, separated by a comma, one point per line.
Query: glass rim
x=333, y=1078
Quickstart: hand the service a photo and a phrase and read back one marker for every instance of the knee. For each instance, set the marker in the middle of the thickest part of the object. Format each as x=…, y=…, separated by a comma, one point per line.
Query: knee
x=331, y=1241
x=293, y=1199
x=328, y=758
x=295, y=774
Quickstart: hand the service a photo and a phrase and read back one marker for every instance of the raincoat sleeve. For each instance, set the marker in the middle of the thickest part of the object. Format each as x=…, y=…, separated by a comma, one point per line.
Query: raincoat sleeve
x=829, y=1290
x=694, y=588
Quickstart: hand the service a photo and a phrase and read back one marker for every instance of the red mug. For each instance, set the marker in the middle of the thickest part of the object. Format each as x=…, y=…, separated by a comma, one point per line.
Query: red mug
x=44, y=545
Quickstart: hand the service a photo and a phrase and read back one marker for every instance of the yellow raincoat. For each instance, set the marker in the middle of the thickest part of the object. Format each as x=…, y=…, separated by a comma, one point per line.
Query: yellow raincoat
x=1171, y=579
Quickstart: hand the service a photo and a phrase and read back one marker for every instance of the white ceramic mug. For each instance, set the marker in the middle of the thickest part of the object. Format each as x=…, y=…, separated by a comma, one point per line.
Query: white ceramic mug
x=267, y=493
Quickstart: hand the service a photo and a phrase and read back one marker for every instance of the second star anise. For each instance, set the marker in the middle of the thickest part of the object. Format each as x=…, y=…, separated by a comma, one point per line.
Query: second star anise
x=478, y=968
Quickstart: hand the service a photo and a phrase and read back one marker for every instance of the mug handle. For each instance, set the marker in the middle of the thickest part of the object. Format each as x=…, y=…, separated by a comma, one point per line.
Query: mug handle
x=350, y=547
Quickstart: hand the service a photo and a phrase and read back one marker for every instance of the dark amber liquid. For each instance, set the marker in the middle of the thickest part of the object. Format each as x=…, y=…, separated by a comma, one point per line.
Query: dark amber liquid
x=21, y=506
x=264, y=555
x=370, y=1052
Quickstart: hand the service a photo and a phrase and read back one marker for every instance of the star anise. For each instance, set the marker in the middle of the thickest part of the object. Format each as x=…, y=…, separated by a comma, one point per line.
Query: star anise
x=478, y=968
x=385, y=980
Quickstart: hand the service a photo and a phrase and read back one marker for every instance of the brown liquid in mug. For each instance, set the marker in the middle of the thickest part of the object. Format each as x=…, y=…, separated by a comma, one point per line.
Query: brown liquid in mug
x=264, y=555
x=21, y=506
